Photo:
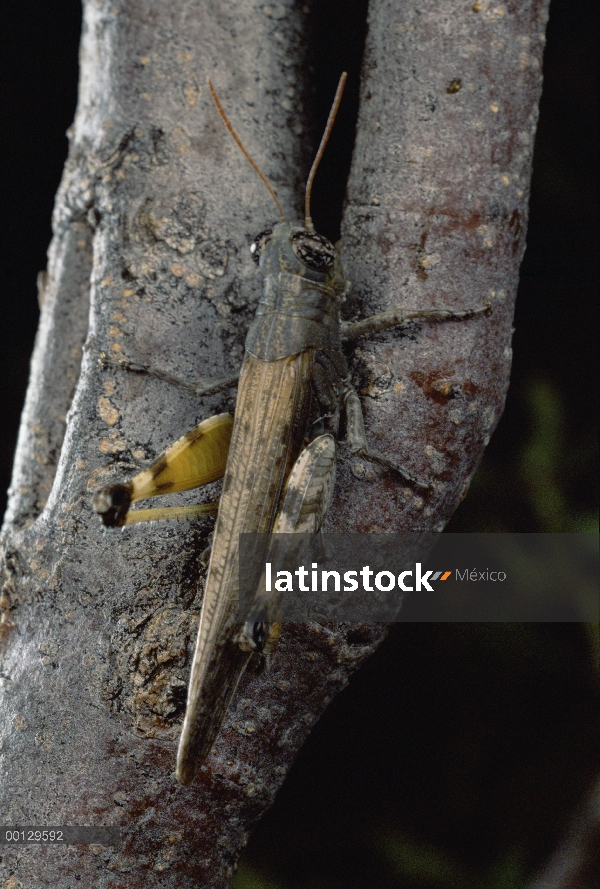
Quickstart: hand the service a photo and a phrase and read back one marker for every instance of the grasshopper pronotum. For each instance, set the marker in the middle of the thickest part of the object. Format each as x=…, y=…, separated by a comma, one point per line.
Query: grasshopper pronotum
x=278, y=455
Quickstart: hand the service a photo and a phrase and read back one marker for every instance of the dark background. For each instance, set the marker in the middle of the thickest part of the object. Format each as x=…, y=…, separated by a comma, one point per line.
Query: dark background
x=458, y=752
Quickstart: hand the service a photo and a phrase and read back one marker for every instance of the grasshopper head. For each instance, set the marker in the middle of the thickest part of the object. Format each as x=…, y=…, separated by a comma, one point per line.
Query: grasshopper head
x=290, y=247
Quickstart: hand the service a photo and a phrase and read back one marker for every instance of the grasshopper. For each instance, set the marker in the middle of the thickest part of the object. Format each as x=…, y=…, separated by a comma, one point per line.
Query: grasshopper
x=278, y=455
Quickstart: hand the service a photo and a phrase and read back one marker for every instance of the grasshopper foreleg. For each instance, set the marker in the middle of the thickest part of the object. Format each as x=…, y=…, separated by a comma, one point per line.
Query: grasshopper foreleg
x=401, y=317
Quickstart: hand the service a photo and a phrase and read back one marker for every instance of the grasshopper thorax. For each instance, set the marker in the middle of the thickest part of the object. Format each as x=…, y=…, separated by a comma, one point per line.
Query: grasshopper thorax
x=300, y=305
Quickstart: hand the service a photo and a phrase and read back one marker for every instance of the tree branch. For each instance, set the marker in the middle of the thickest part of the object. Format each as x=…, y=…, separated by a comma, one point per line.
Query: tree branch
x=151, y=229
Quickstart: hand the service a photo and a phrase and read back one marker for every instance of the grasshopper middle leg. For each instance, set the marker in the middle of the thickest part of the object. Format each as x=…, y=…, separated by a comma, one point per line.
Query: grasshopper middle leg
x=199, y=388
x=358, y=446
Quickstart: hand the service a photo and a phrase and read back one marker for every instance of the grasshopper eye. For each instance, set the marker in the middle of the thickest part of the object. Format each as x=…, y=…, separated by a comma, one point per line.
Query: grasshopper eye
x=315, y=251
x=259, y=244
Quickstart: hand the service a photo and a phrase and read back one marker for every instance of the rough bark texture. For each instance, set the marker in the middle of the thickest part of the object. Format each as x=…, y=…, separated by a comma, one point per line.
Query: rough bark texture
x=149, y=261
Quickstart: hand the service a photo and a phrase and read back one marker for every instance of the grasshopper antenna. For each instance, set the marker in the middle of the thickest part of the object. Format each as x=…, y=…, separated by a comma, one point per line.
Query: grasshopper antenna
x=308, y=223
x=240, y=145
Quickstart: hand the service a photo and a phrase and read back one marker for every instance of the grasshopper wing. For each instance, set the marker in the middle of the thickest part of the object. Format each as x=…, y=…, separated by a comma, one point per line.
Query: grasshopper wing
x=203, y=721
x=305, y=500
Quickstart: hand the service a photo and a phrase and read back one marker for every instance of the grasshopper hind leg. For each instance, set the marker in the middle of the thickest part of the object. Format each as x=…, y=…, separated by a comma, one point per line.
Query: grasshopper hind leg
x=265, y=639
x=358, y=446
x=196, y=459
x=306, y=498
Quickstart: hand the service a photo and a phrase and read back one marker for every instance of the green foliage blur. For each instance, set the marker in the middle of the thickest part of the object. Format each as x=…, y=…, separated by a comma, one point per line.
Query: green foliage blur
x=533, y=486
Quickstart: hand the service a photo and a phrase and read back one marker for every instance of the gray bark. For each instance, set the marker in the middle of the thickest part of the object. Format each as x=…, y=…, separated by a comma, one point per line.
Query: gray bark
x=149, y=261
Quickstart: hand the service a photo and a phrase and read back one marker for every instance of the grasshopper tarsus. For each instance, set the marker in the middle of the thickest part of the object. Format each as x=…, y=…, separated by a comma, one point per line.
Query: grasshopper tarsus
x=112, y=504
x=405, y=475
